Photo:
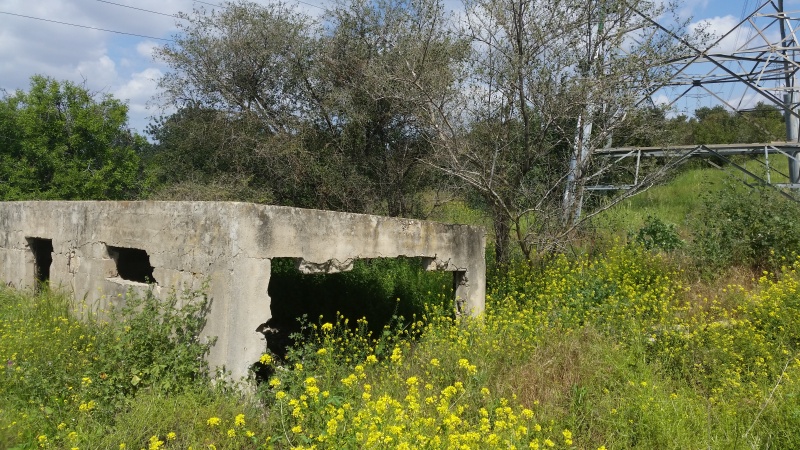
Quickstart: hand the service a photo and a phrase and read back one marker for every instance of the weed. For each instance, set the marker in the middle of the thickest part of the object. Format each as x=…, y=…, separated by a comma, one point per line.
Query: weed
x=658, y=235
x=593, y=351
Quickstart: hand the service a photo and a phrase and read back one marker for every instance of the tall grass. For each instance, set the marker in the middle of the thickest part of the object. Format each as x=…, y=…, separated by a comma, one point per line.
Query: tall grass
x=676, y=201
x=610, y=351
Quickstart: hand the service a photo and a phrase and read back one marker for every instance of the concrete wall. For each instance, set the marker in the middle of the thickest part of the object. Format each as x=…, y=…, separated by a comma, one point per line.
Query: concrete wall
x=228, y=244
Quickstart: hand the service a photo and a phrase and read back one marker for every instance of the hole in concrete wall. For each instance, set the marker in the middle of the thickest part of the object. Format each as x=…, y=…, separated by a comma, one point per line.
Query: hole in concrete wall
x=133, y=264
x=42, y=259
x=371, y=290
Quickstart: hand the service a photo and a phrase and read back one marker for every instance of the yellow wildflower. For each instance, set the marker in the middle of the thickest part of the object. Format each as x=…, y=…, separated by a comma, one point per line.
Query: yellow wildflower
x=155, y=443
x=397, y=355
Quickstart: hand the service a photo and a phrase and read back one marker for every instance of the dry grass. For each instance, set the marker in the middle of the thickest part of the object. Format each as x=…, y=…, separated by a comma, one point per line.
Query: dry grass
x=556, y=371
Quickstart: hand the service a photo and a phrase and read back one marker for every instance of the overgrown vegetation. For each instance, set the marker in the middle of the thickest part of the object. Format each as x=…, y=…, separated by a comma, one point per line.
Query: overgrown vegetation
x=754, y=227
x=62, y=375
x=686, y=336
x=674, y=323
x=611, y=351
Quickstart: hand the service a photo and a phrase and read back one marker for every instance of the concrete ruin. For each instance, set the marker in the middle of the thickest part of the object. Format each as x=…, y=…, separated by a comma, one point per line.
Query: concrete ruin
x=97, y=250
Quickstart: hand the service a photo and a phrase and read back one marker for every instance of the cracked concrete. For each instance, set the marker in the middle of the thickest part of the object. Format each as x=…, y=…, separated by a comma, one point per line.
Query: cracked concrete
x=229, y=245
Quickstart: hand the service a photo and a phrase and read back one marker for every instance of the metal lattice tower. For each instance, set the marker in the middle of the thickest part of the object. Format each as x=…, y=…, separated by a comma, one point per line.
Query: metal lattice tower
x=756, y=59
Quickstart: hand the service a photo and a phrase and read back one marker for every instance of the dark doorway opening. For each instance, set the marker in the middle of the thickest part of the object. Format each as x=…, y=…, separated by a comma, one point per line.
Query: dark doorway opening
x=42, y=260
x=381, y=290
x=133, y=264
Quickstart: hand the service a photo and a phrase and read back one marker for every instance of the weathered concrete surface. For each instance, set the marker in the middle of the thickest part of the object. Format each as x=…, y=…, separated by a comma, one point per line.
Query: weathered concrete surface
x=228, y=244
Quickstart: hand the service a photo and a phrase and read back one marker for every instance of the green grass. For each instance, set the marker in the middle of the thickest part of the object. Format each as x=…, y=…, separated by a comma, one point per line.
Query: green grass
x=677, y=199
x=609, y=351
x=614, y=350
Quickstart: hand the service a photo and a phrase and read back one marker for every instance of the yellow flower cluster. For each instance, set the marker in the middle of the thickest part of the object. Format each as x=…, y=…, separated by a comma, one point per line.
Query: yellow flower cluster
x=462, y=382
x=377, y=405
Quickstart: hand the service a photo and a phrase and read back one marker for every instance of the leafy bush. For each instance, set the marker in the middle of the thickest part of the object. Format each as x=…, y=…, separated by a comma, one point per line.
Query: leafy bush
x=68, y=379
x=754, y=227
x=658, y=235
x=153, y=343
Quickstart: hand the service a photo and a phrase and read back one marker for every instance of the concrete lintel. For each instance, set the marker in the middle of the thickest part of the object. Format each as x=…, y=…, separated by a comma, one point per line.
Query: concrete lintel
x=329, y=266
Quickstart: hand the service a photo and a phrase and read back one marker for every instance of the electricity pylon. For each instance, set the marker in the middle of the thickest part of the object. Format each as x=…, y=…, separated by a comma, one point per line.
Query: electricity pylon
x=757, y=58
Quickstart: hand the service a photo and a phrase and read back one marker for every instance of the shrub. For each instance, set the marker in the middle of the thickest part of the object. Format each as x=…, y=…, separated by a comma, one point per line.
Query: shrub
x=593, y=351
x=153, y=343
x=752, y=227
x=67, y=379
x=658, y=235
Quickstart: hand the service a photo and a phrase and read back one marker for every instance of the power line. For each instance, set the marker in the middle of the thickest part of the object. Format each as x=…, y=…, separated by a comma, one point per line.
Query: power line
x=86, y=26
x=139, y=9
x=207, y=3
x=311, y=5
x=195, y=1
x=298, y=1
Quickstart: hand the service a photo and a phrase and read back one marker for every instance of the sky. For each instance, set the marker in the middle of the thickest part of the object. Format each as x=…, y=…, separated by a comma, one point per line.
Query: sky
x=33, y=42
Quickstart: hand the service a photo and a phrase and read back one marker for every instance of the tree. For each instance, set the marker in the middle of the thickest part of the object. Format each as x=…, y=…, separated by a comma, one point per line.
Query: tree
x=384, y=62
x=328, y=116
x=206, y=154
x=59, y=141
x=549, y=83
x=717, y=125
x=249, y=108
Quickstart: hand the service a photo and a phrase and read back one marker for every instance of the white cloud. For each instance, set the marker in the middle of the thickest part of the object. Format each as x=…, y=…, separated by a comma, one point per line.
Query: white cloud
x=140, y=86
x=104, y=61
x=101, y=73
x=718, y=27
x=146, y=48
x=688, y=10
x=661, y=100
x=138, y=90
x=741, y=38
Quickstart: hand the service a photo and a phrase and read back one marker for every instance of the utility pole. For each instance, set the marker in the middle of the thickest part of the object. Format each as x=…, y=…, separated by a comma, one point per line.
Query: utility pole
x=573, y=193
x=790, y=96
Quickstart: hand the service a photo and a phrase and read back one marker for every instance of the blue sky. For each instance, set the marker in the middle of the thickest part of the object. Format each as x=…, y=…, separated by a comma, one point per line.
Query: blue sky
x=123, y=66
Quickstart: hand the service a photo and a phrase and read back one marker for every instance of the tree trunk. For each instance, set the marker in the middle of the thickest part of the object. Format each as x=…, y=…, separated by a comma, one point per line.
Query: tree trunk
x=502, y=242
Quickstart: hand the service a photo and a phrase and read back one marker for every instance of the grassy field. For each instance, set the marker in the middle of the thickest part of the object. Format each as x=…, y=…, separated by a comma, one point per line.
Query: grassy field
x=612, y=350
x=677, y=199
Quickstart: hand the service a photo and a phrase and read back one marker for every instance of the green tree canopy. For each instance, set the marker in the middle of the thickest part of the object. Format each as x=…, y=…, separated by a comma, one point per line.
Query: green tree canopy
x=60, y=141
x=718, y=125
x=274, y=106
